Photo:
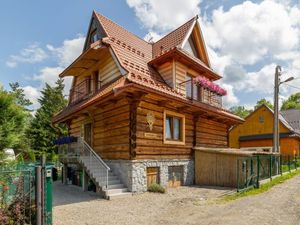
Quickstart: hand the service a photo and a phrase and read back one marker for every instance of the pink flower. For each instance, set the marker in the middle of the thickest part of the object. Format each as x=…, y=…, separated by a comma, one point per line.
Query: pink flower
x=206, y=83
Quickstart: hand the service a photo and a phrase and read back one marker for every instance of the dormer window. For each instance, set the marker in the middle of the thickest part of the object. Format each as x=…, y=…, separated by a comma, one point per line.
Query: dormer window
x=94, y=36
x=190, y=47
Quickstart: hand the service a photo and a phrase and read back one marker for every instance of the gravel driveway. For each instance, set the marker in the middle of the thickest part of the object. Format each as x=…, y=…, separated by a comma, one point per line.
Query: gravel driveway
x=185, y=205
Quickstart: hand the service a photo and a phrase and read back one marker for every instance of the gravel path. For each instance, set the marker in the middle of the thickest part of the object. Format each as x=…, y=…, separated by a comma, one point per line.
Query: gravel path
x=185, y=205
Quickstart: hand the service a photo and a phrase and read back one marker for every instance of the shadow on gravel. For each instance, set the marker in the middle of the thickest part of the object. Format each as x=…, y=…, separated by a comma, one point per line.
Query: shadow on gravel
x=70, y=194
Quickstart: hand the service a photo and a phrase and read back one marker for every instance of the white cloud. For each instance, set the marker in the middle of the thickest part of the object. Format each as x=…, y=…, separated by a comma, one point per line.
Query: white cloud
x=69, y=51
x=161, y=16
x=230, y=99
x=32, y=54
x=250, y=31
x=32, y=94
x=64, y=56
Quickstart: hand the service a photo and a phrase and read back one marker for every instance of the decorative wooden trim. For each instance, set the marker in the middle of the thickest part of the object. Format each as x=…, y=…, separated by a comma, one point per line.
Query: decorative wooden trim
x=182, y=116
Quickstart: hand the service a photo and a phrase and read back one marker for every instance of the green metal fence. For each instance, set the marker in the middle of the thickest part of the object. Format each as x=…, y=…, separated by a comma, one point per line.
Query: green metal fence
x=251, y=170
x=18, y=195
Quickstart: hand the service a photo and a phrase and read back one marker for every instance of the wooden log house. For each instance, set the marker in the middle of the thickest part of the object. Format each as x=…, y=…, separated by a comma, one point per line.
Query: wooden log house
x=136, y=104
x=256, y=133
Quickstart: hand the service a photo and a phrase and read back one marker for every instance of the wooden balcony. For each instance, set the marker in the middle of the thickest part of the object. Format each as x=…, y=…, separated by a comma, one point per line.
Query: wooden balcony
x=200, y=94
x=83, y=90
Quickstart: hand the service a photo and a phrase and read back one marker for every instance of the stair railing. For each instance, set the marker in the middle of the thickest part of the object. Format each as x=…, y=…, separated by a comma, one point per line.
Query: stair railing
x=93, y=161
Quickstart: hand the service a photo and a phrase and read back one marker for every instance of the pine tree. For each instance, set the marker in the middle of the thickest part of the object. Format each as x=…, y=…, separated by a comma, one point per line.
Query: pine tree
x=42, y=132
x=19, y=94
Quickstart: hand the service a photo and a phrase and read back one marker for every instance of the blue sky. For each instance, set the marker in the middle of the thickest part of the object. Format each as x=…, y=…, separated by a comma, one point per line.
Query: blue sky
x=245, y=39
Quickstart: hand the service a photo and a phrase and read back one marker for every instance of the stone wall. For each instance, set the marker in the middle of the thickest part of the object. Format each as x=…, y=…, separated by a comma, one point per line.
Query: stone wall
x=133, y=173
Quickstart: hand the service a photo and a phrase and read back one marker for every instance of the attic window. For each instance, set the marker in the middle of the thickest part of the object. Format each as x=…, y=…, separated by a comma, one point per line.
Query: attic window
x=190, y=47
x=94, y=36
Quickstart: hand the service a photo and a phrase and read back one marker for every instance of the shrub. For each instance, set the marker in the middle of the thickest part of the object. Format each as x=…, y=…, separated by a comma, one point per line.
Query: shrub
x=156, y=188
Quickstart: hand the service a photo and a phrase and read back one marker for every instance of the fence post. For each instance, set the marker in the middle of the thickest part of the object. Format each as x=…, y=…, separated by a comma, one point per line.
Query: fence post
x=289, y=163
x=270, y=167
x=237, y=174
x=280, y=164
x=39, y=195
x=295, y=160
x=258, y=171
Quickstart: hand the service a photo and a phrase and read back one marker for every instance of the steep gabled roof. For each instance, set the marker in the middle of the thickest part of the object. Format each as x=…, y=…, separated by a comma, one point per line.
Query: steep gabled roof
x=174, y=38
x=132, y=52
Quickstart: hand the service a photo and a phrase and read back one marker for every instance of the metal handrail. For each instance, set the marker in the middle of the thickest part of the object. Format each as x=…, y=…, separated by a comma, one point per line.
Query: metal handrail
x=94, y=157
x=95, y=154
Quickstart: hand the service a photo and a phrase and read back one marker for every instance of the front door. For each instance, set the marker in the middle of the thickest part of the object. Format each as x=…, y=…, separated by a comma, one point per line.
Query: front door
x=88, y=133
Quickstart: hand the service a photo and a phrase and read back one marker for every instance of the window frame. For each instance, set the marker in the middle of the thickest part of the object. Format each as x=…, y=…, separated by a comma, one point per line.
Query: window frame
x=181, y=117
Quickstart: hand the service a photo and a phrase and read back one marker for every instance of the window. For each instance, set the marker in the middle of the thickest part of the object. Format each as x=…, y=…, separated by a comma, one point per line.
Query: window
x=174, y=128
x=191, y=88
x=190, y=47
x=94, y=36
x=89, y=84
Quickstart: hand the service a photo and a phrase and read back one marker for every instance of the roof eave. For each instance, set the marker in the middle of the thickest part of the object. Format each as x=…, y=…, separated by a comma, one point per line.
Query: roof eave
x=213, y=75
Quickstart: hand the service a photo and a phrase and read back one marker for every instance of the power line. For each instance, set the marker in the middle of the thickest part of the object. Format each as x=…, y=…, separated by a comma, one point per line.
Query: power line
x=292, y=86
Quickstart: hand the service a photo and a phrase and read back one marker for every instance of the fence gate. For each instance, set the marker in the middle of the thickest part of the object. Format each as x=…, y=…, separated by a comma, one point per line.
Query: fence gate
x=246, y=173
x=18, y=196
x=252, y=169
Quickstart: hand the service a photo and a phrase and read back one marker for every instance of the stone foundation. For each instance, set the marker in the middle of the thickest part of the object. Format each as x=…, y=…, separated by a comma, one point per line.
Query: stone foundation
x=133, y=173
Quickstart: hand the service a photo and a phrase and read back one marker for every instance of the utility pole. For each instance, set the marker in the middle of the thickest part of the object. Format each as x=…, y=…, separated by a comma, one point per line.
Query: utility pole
x=276, y=110
x=276, y=137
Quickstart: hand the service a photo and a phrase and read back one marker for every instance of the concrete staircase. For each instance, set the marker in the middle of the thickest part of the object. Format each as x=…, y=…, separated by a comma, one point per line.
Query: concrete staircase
x=103, y=177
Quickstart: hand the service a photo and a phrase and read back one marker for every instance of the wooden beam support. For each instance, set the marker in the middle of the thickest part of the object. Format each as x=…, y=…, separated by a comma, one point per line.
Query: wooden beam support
x=162, y=103
x=182, y=108
x=195, y=121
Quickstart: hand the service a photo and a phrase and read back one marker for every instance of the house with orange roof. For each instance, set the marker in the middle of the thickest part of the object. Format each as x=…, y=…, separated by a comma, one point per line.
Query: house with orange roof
x=256, y=133
x=137, y=109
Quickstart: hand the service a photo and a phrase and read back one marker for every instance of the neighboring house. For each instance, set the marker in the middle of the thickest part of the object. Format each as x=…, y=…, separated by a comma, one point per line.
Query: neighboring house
x=257, y=132
x=143, y=106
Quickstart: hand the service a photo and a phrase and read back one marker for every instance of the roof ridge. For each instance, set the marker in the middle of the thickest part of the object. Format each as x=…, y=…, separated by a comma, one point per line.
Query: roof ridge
x=99, y=14
x=195, y=17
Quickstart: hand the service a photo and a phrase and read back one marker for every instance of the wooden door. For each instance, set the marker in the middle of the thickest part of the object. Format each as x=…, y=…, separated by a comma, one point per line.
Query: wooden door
x=152, y=175
x=175, y=176
x=88, y=133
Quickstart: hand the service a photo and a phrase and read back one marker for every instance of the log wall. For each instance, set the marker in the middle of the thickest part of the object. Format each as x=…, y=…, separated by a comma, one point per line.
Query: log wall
x=150, y=144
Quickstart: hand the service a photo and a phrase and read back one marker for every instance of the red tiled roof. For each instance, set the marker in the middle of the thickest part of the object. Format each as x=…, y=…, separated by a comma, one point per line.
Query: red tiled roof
x=134, y=55
x=173, y=39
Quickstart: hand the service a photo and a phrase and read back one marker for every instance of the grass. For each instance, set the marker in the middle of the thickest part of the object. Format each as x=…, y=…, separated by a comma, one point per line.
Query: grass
x=156, y=188
x=263, y=188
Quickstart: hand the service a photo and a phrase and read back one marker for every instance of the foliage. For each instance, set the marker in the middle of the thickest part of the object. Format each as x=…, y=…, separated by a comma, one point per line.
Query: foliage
x=42, y=132
x=240, y=111
x=19, y=94
x=293, y=102
x=15, y=205
x=263, y=101
x=263, y=188
x=13, y=122
x=156, y=188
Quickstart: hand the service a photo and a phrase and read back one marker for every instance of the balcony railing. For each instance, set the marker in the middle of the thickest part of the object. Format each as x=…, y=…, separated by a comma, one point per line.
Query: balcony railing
x=198, y=93
x=83, y=90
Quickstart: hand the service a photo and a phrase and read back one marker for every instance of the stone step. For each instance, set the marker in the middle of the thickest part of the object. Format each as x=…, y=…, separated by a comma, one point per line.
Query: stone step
x=115, y=191
x=115, y=186
x=118, y=195
x=112, y=181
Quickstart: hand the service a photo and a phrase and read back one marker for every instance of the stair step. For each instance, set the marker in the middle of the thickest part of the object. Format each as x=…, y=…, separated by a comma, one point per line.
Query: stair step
x=112, y=181
x=115, y=191
x=119, y=195
x=115, y=186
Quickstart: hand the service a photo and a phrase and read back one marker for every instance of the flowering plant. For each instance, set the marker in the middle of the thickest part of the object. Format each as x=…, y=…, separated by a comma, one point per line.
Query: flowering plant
x=206, y=83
